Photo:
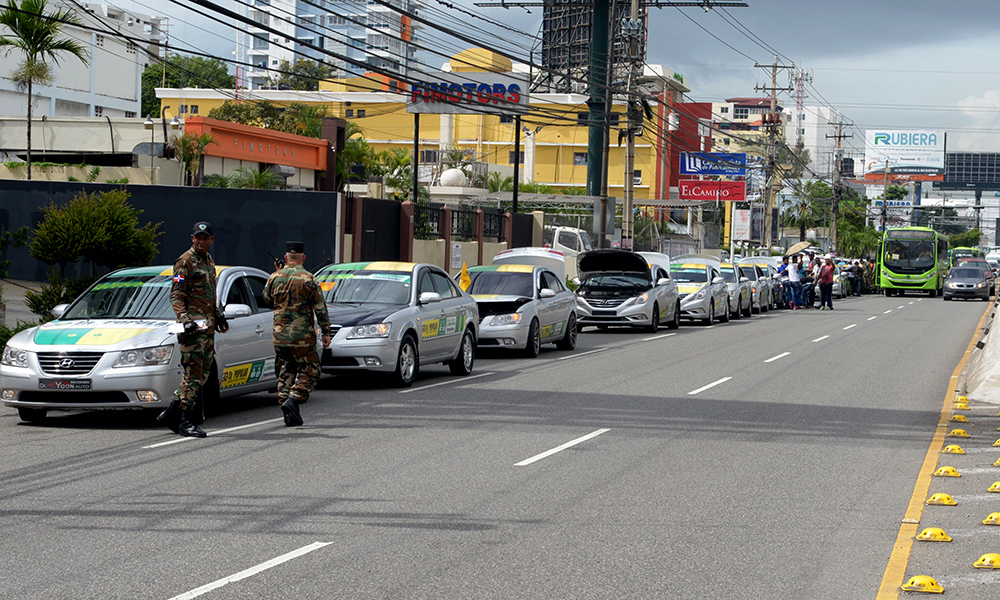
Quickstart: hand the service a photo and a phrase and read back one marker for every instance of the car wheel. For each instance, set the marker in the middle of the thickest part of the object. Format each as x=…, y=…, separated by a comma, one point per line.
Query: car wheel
x=534, y=345
x=748, y=311
x=888, y=293
x=710, y=319
x=654, y=321
x=946, y=298
x=462, y=365
x=764, y=305
x=569, y=339
x=756, y=309
x=32, y=415
x=407, y=363
x=725, y=315
x=676, y=321
x=739, y=310
x=931, y=293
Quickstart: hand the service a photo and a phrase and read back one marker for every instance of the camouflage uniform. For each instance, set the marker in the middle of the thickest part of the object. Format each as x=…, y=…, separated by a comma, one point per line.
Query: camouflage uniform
x=193, y=298
x=295, y=296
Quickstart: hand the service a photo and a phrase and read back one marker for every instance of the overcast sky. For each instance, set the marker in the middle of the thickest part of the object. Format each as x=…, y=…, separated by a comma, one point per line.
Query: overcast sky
x=913, y=64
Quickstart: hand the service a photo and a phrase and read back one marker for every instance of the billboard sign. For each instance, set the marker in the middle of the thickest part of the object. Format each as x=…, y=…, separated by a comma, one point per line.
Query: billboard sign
x=693, y=189
x=469, y=93
x=713, y=163
x=918, y=154
x=741, y=225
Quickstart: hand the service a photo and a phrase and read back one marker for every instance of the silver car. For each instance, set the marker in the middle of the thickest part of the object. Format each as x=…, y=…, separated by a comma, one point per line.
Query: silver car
x=740, y=290
x=620, y=288
x=703, y=292
x=395, y=317
x=112, y=348
x=522, y=307
x=762, y=292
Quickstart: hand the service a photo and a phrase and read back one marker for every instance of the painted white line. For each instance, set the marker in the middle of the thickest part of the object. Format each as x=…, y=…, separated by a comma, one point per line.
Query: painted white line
x=711, y=385
x=774, y=358
x=887, y=312
x=569, y=444
x=901, y=306
x=449, y=382
x=658, y=337
x=872, y=318
x=911, y=303
x=212, y=433
x=849, y=326
x=820, y=339
x=251, y=571
x=582, y=354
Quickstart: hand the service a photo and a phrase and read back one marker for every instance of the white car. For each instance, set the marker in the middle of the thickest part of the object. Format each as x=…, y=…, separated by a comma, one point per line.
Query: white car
x=112, y=348
x=620, y=288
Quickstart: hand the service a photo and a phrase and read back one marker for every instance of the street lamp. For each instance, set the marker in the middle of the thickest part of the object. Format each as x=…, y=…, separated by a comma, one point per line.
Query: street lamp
x=148, y=124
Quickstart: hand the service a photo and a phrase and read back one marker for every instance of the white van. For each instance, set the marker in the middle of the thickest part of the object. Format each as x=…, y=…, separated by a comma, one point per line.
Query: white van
x=571, y=242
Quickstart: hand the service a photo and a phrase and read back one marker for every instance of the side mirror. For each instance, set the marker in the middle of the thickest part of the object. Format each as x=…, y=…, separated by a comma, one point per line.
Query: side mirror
x=235, y=311
x=718, y=280
x=58, y=310
x=663, y=281
x=547, y=293
x=576, y=281
x=430, y=297
x=744, y=280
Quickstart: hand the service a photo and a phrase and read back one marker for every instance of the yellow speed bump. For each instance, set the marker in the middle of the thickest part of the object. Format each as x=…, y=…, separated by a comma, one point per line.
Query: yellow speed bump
x=953, y=449
x=996, y=444
x=923, y=583
x=992, y=519
x=947, y=472
x=961, y=399
x=961, y=406
x=933, y=534
x=997, y=463
x=958, y=433
x=942, y=499
x=988, y=561
x=995, y=487
x=959, y=419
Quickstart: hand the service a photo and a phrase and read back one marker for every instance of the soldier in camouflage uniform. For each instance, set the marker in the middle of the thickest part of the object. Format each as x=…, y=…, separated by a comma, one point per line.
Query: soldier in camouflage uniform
x=296, y=298
x=193, y=299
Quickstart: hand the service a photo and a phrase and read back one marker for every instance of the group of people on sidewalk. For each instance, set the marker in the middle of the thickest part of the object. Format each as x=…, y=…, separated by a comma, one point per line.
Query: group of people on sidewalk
x=806, y=272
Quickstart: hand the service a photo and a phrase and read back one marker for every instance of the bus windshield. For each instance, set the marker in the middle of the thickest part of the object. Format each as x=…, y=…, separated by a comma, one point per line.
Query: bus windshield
x=909, y=255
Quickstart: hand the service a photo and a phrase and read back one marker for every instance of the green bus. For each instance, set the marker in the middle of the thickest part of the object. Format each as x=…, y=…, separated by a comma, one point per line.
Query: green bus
x=913, y=259
x=962, y=252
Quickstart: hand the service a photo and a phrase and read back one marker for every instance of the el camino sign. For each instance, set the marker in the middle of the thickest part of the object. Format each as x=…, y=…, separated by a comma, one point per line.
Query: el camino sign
x=712, y=190
x=469, y=93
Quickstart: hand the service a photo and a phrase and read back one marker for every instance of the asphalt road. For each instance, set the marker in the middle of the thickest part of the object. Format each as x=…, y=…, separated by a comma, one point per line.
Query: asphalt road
x=772, y=457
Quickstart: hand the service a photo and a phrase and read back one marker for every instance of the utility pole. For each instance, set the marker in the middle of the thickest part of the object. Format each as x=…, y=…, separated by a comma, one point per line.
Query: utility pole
x=773, y=121
x=838, y=157
x=885, y=196
x=631, y=29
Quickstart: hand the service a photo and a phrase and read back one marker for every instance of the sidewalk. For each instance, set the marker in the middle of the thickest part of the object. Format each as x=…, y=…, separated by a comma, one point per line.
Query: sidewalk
x=13, y=294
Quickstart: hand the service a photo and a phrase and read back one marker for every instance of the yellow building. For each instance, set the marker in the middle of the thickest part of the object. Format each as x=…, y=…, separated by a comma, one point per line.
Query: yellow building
x=554, y=134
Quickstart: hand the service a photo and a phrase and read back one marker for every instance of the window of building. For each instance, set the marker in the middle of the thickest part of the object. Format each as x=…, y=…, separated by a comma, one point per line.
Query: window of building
x=336, y=20
x=194, y=109
x=520, y=157
x=262, y=2
x=725, y=141
x=260, y=17
x=506, y=119
x=100, y=41
x=724, y=110
x=306, y=20
x=637, y=177
x=349, y=113
x=361, y=113
x=98, y=111
x=580, y=159
x=260, y=43
x=741, y=112
x=429, y=156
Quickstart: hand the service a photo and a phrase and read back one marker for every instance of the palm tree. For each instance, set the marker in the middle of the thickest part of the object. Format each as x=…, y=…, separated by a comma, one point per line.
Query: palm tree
x=36, y=34
x=250, y=178
x=189, y=148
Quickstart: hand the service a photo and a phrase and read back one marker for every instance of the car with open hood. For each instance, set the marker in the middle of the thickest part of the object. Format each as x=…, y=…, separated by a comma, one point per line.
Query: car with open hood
x=704, y=294
x=115, y=347
x=396, y=317
x=522, y=307
x=622, y=288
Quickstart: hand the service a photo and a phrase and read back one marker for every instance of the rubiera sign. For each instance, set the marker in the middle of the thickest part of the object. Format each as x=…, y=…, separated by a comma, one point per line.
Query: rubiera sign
x=470, y=93
x=917, y=154
x=693, y=189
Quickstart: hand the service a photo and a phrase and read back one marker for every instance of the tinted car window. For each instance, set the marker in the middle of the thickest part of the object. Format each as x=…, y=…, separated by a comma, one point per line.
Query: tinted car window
x=238, y=293
x=442, y=285
x=257, y=289
x=569, y=240
x=551, y=282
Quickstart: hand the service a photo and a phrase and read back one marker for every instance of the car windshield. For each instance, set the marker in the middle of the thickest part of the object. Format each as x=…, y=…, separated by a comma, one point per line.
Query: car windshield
x=967, y=274
x=729, y=275
x=501, y=284
x=585, y=240
x=909, y=254
x=365, y=287
x=689, y=274
x=749, y=273
x=128, y=297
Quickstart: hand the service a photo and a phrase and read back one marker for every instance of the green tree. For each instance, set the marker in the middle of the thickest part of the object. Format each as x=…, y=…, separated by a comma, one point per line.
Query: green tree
x=179, y=70
x=255, y=113
x=496, y=182
x=969, y=239
x=302, y=119
x=10, y=239
x=793, y=161
x=250, y=178
x=190, y=148
x=35, y=32
x=303, y=74
x=804, y=208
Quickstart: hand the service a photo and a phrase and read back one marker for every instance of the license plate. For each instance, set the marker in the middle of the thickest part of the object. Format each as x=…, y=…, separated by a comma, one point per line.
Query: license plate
x=64, y=384
x=605, y=313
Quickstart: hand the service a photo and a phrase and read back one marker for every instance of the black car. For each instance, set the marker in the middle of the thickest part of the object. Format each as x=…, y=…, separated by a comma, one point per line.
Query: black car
x=967, y=281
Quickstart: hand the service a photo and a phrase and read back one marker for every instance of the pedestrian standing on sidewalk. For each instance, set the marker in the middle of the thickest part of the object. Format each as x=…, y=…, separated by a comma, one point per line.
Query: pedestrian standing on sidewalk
x=298, y=307
x=795, y=283
x=826, y=285
x=192, y=297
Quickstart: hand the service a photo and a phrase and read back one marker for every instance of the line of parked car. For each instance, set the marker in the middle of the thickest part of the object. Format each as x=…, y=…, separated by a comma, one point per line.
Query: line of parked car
x=113, y=347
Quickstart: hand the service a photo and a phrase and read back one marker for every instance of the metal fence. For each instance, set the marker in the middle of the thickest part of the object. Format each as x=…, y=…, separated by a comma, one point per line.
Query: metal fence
x=463, y=225
x=426, y=220
x=493, y=226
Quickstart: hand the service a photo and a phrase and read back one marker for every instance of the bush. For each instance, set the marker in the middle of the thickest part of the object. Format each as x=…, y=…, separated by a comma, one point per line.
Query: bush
x=8, y=332
x=55, y=293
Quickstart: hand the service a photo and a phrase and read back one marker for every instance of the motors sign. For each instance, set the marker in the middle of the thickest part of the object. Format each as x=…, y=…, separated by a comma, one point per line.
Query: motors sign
x=713, y=163
x=469, y=93
x=693, y=189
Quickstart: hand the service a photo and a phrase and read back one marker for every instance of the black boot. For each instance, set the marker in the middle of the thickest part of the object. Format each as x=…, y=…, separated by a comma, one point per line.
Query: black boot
x=187, y=427
x=291, y=410
x=171, y=417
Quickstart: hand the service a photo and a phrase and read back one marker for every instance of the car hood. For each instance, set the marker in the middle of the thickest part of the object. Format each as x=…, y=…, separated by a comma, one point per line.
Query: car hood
x=349, y=315
x=611, y=261
x=94, y=334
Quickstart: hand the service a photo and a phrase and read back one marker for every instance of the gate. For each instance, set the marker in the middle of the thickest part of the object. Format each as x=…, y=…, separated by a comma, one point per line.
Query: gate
x=379, y=229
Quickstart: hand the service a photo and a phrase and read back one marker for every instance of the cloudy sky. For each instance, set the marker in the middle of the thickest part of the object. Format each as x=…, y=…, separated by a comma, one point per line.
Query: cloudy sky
x=926, y=64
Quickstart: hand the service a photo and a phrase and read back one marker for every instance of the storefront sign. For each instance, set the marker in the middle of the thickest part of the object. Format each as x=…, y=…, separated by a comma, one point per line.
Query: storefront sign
x=469, y=93
x=712, y=190
x=713, y=163
x=261, y=145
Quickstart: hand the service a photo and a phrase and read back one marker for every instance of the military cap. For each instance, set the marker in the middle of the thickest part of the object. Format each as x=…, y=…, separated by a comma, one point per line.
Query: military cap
x=202, y=227
x=295, y=247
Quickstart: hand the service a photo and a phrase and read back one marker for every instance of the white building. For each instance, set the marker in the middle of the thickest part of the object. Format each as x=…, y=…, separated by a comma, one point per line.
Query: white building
x=365, y=32
x=111, y=85
x=816, y=126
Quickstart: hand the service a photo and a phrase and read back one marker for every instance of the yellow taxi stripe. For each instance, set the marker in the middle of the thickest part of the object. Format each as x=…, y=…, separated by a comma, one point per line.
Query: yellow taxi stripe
x=405, y=267
x=516, y=268
x=104, y=336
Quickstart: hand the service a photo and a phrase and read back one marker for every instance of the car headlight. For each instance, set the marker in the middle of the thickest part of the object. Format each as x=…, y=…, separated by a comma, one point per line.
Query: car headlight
x=14, y=357
x=981, y=284
x=144, y=357
x=642, y=299
x=511, y=319
x=379, y=330
x=699, y=295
